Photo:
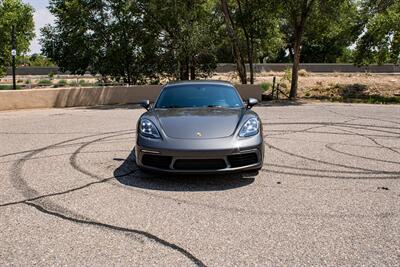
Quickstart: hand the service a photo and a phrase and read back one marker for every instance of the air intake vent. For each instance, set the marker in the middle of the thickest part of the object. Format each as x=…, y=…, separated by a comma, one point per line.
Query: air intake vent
x=161, y=162
x=241, y=160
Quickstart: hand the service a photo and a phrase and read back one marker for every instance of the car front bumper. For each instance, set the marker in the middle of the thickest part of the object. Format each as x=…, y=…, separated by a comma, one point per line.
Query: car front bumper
x=200, y=156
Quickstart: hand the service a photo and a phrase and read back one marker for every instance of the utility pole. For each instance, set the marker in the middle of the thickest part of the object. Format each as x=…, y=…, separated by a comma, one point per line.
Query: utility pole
x=14, y=53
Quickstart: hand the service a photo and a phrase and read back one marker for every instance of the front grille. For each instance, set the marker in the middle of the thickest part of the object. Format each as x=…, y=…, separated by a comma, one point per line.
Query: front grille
x=241, y=160
x=161, y=162
x=199, y=164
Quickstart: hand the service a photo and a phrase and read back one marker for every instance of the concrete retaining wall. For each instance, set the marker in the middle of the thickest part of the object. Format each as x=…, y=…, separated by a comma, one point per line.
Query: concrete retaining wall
x=75, y=97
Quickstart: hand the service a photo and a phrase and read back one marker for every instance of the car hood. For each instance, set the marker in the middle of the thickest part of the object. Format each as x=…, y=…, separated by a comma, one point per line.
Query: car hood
x=197, y=123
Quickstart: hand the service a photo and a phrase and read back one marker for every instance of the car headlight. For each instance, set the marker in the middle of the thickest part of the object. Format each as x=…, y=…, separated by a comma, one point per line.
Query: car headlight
x=148, y=129
x=250, y=127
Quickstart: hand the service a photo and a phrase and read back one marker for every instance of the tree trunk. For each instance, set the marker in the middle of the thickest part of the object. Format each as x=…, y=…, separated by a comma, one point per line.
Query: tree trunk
x=192, y=69
x=298, y=35
x=241, y=67
x=249, y=43
x=295, y=70
x=251, y=61
x=184, y=73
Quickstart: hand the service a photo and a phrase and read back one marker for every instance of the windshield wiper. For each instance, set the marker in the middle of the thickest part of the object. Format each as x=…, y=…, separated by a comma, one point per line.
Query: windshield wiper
x=215, y=106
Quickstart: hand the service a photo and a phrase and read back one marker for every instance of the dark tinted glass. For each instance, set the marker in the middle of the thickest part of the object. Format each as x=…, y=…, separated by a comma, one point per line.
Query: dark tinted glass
x=199, y=95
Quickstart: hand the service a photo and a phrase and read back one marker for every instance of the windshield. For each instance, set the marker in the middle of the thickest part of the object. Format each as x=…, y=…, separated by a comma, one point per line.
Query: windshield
x=199, y=95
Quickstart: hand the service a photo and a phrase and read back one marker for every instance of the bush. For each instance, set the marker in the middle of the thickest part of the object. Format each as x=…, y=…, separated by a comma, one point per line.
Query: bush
x=61, y=83
x=44, y=82
x=303, y=73
x=83, y=83
x=287, y=76
x=73, y=83
x=265, y=86
x=8, y=87
x=51, y=75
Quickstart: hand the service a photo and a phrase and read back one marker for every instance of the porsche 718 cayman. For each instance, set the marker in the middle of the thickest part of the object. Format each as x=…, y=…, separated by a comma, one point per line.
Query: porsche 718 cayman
x=199, y=126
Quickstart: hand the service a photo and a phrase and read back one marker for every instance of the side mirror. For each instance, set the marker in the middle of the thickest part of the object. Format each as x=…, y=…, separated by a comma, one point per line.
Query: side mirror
x=251, y=102
x=145, y=104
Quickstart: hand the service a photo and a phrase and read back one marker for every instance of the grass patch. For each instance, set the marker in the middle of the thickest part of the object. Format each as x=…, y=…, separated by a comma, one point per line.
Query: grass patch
x=373, y=99
x=61, y=83
x=265, y=87
x=83, y=83
x=44, y=83
x=8, y=87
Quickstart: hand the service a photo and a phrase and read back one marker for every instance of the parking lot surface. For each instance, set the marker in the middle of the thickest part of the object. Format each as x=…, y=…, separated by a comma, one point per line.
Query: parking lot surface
x=328, y=194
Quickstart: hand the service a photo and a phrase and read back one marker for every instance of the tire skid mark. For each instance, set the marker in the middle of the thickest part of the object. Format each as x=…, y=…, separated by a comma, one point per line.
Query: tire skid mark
x=101, y=225
x=63, y=213
x=397, y=174
x=331, y=147
x=323, y=142
x=331, y=163
x=320, y=170
x=339, y=123
x=371, y=139
x=64, y=154
x=359, y=117
x=332, y=177
x=74, y=164
x=52, y=147
x=55, y=194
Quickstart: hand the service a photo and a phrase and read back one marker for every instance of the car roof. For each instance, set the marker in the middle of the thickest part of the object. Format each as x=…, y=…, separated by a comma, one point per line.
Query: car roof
x=213, y=82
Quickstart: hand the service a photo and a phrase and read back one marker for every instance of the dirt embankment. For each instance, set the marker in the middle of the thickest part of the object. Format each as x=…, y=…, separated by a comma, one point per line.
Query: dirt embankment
x=332, y=86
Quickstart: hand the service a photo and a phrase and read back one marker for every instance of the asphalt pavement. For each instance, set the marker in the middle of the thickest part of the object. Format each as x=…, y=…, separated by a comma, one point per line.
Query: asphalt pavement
x=328, y=194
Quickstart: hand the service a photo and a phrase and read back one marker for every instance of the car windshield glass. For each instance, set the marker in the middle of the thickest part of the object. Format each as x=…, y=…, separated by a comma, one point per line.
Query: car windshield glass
x=198, y=96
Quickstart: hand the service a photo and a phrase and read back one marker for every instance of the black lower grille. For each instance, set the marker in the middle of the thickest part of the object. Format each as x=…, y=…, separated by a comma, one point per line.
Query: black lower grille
x=157, y=161
x=241, y=160
x=199, y=164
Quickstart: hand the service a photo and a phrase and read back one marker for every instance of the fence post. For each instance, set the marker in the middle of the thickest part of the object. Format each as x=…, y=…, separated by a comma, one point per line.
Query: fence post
x=273, y=87
x=277, y=92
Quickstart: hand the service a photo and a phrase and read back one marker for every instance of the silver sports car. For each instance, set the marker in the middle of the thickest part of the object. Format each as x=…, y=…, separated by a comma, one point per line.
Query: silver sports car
x=199, y=126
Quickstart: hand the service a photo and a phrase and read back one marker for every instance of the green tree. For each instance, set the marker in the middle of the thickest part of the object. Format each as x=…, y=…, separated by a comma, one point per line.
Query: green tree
x=14, y=12
x=231, y=29
x=253, y=28
x=186, y=31
x=35, y=60
x=380, y=41
x=327, y=39
x=133, y=41
x=260, y=27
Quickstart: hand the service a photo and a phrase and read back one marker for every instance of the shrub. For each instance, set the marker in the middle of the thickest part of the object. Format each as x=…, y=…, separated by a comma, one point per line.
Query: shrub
x=83, y=83
x=61, y=83
x=44, y=82
x=287, y=76
x=265, y=86
x=73, y=83
x=8, y=87
x=51, y=75
x=303, y=73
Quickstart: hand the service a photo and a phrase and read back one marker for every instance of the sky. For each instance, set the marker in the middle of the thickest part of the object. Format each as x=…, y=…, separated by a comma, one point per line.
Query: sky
x=42, y=16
